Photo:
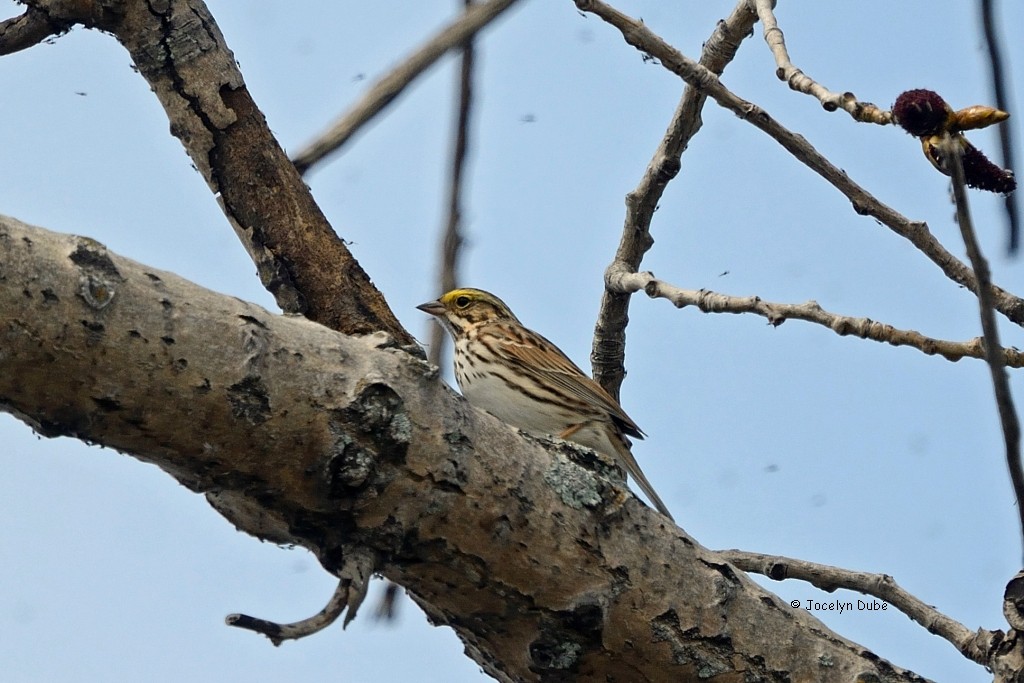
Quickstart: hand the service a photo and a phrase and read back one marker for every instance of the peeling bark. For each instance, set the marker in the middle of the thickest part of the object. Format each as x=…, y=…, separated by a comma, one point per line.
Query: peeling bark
x=540, y=561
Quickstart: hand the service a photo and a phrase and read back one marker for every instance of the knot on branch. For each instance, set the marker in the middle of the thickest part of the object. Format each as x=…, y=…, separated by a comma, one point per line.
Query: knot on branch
x=250, y=400
x=1013, y=602
x=349, y=465
x=712, y=653
x=668, y=169
x=377, y=412
x=565, y=636
x=99, y=277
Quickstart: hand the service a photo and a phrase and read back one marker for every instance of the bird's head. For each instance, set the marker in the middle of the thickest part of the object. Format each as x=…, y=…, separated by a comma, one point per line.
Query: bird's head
x=462, y=308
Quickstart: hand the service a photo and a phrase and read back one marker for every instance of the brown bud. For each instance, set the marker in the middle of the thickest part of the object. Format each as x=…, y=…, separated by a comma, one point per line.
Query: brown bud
x=978, y=116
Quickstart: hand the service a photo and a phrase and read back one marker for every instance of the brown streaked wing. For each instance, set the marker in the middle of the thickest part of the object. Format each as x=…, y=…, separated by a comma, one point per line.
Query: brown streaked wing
x=533, y=354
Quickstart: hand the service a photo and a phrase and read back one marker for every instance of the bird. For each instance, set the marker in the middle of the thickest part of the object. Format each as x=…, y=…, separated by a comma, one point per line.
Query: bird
x=523, y=379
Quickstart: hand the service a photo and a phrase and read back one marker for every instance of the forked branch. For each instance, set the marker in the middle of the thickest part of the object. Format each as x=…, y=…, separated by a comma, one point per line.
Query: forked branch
x=609, y=349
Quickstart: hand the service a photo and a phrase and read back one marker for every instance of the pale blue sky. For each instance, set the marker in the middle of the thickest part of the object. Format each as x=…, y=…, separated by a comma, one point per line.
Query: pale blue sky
x=791, y=440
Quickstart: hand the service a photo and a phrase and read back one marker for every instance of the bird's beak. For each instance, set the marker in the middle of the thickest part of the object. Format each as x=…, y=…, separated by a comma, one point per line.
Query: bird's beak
x=433, y=308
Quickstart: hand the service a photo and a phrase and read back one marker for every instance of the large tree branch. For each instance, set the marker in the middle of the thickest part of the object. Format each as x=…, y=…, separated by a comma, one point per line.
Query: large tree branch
x=178, y=48
x=302, y=435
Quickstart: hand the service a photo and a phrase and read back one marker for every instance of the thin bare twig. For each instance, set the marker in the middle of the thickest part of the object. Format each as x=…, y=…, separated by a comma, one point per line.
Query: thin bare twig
x=278, y=633
x=810, y=311
x=451, y=243
x=28, y=29
x=1001, y=88
x=801, y=82
x=952, y=154
x=978, y=646
x=917, y=233
x=354, y=580
x=387, y=88
x=607, y=357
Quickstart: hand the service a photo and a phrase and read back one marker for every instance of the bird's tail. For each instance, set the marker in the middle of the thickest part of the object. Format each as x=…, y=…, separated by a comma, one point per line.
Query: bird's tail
x=633, y=468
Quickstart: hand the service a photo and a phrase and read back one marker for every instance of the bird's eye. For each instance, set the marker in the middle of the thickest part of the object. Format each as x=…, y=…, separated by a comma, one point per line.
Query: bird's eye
x=462, y=301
